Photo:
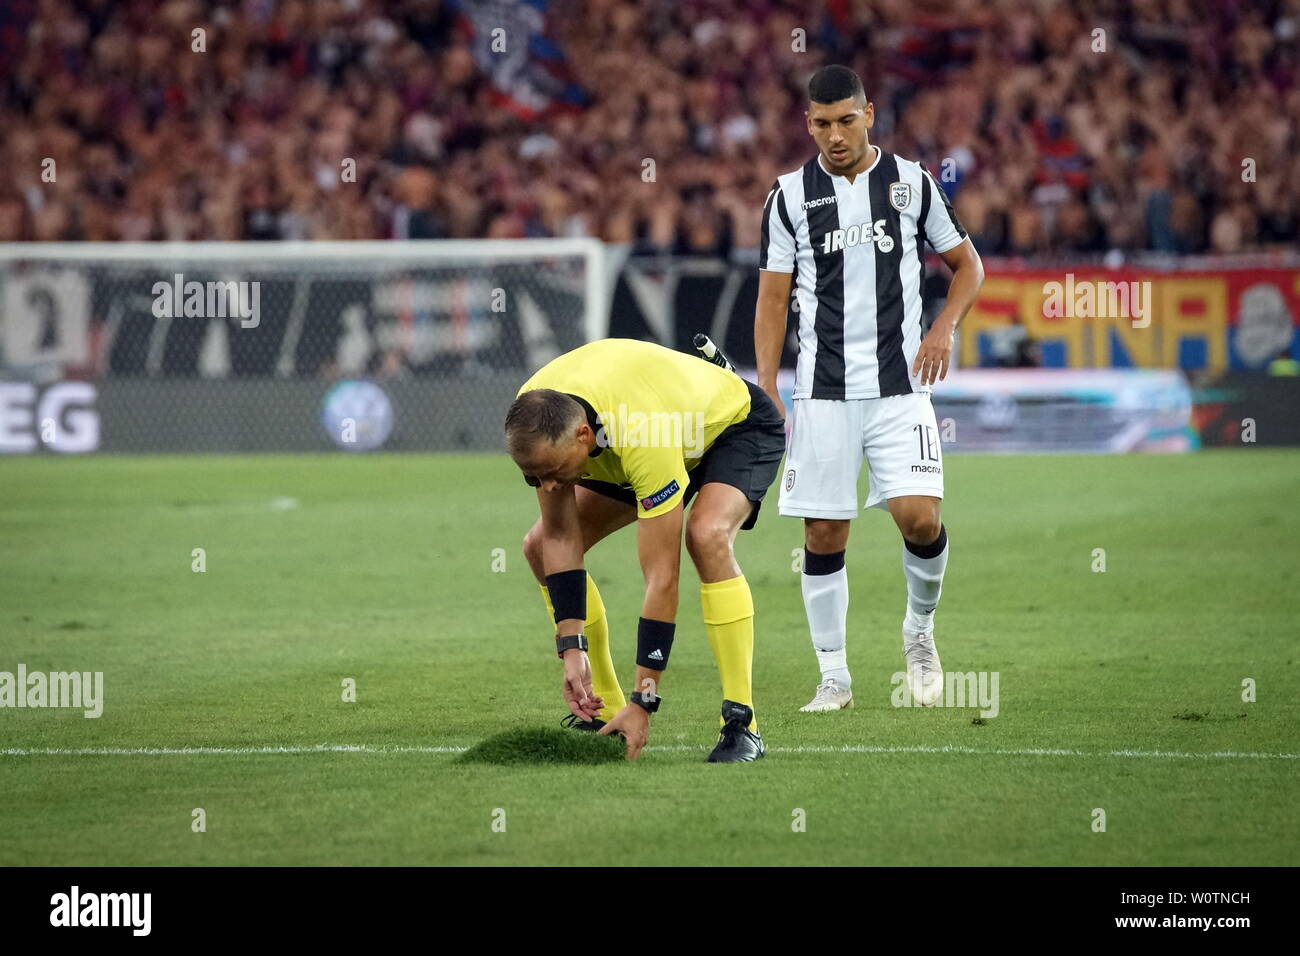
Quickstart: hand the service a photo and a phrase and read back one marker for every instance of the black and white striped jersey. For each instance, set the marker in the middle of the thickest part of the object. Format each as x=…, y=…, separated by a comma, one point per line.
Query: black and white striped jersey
x=857, y=251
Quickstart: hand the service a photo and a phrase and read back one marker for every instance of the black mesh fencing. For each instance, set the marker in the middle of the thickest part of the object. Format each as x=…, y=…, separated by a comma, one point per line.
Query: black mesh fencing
x=282, y=347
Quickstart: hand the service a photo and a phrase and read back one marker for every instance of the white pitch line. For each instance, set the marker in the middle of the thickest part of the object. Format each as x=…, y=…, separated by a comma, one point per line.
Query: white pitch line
x=846, y=749
x=216, y=751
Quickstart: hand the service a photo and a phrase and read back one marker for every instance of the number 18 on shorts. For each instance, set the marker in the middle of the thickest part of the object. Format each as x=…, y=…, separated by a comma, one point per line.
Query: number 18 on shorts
x=829, y=438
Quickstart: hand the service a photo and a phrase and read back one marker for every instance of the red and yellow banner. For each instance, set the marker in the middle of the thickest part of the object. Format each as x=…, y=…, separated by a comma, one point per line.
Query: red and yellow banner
x=1120, y=318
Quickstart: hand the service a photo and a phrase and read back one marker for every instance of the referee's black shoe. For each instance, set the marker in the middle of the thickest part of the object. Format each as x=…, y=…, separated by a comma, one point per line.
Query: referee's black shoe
x=738, y=743
x=573, y=722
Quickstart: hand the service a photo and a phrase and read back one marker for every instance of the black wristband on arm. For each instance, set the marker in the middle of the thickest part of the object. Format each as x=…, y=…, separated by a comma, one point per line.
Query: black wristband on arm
x=654, y=642
x=568, y=591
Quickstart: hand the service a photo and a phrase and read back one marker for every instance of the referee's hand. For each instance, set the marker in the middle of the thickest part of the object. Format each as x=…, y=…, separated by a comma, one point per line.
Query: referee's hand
x=583, y=703
x=633, y=722
x=932, y=358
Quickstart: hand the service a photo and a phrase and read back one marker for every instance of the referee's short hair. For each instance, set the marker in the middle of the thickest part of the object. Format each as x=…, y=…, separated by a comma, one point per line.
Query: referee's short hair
x=833, y=83
x=541, y=414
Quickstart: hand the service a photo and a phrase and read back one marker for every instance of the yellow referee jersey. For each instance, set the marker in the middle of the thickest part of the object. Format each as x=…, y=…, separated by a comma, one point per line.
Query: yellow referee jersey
x=655, y=413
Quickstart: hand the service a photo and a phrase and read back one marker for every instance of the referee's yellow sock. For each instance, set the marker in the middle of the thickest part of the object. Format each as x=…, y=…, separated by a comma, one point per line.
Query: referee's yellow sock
x=604, y=681
x=729, y=620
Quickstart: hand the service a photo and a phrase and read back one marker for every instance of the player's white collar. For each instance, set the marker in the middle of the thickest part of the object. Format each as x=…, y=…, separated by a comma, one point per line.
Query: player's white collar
x=879, y=153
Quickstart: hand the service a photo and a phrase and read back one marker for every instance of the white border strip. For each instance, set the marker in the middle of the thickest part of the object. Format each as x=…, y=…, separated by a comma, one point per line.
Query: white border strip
x=847, y=749
x=263, y=254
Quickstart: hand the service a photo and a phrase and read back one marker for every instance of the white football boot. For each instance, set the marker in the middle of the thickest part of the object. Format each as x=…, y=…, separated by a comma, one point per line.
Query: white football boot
x=924, y=673
x=830, y=696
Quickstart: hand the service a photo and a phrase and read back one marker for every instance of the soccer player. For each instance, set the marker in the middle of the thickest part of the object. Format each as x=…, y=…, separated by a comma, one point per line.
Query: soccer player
x=620, y=431
x=851, y=225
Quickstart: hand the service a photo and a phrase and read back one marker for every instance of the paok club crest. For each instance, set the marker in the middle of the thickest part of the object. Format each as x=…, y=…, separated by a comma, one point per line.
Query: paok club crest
x=900, y=195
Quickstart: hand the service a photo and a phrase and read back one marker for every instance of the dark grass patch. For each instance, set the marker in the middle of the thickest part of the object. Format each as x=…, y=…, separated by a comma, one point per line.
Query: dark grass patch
x=530, y=746
x=1208, y=716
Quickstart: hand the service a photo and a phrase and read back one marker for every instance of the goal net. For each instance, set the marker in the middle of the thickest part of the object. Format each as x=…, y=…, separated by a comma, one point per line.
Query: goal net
x=240, y=347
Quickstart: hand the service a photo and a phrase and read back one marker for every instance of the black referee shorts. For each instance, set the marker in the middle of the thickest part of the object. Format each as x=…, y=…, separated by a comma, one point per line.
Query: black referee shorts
x=746, y=456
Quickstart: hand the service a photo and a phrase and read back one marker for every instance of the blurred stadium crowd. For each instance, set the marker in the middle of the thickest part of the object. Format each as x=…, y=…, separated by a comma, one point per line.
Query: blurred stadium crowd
x=1047, y=142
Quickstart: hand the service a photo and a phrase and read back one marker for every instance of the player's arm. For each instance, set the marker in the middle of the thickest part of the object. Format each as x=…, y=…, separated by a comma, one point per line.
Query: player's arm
x=935, y=353
x=659, y=546
x=561, y=541
x=562, y=552
x=769, y=328
x=946, y=236
x=967, y=277
x=776, y=254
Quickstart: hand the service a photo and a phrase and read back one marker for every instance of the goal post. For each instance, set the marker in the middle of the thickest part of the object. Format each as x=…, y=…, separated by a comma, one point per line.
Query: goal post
x=284, y=346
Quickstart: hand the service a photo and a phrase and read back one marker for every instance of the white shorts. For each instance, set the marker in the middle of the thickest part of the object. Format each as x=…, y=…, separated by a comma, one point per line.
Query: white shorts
x=828, y=439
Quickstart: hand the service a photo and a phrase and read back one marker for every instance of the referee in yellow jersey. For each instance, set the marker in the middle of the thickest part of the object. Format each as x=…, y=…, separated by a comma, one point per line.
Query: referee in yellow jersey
x=620, y=431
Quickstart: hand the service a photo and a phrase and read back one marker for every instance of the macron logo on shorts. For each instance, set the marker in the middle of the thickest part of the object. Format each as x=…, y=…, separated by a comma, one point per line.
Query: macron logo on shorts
x=660, y=496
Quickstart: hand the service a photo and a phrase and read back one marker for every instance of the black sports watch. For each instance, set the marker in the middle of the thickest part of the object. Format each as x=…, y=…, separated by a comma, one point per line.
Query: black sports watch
x=569, y=642
x=647, y=701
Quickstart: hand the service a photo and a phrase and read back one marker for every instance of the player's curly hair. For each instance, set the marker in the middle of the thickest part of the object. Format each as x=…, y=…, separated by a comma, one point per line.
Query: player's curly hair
x=541, y=414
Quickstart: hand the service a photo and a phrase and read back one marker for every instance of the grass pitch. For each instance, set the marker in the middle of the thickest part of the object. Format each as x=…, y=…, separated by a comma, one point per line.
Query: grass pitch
x=1119, y=690
x=530, y=747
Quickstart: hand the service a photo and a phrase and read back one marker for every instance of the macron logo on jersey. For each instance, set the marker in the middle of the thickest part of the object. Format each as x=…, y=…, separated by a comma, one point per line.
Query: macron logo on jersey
x=838, y=239
x=814, y=203
x=660, y=496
